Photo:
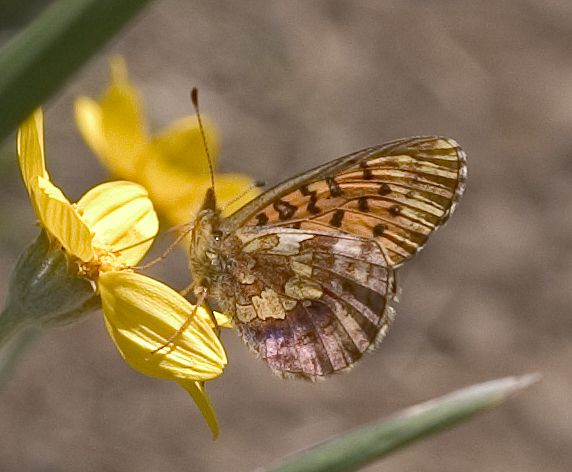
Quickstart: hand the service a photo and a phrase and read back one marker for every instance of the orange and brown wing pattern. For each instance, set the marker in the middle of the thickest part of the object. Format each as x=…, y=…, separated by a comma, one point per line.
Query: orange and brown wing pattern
x=397, y=194
x=309, y=303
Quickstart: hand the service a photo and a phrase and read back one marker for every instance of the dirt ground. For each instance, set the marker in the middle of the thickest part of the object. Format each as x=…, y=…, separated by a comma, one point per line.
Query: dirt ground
x=291, y=85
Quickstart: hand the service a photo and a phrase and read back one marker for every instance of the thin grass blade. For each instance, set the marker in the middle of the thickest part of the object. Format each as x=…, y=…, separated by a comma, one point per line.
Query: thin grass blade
x=38, y=61
x=355, y=450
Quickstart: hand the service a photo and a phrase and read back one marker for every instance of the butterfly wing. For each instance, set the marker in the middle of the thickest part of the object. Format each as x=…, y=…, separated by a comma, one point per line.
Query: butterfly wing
x=397, y=194
x=309, y=303
x=309, y=273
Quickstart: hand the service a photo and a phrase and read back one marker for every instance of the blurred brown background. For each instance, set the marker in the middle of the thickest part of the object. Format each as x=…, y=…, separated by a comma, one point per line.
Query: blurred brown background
x=291, y=85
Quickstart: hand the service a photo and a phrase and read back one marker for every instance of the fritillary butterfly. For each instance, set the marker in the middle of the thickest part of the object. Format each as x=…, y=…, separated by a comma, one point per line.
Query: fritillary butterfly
x=306, y=270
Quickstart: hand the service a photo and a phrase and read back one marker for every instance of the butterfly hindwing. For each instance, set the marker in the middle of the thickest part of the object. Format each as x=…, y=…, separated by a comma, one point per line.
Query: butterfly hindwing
x=308, y=302
x=397, y=194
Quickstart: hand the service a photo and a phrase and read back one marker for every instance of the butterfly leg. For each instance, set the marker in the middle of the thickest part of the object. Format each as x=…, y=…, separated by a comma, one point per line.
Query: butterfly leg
x=177, y=334
x=188, y=289
x=191, y=288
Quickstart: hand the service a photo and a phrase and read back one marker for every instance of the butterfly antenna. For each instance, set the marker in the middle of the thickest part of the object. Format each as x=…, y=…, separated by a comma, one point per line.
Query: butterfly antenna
x=257, y=184
x=195, y=102
x=188, y=228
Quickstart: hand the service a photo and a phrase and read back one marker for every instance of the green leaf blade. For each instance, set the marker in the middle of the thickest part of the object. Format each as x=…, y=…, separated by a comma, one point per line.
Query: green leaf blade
x=357, y=449
x=44, y=55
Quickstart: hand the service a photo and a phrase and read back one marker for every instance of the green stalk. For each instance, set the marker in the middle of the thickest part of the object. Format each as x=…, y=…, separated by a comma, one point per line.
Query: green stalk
x=43, y=56
x=44, y=291
x=355, y=450
x=15, y=339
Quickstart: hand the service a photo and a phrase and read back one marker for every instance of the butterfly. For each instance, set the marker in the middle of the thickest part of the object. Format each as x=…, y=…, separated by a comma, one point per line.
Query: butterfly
x=307, y=269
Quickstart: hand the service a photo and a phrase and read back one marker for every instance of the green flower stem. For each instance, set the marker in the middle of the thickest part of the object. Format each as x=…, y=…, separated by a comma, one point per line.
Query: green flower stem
x=39, y=59
x=355, y=450
x=11, y=321
x=9, y=324
x=45, y=290
x=16, y=338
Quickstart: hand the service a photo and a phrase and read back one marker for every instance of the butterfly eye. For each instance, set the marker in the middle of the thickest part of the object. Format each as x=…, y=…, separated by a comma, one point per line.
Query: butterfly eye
x=217, y=235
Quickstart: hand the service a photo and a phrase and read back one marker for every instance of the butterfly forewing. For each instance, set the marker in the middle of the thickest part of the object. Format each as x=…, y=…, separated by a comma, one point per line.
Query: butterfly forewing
x=397, y=194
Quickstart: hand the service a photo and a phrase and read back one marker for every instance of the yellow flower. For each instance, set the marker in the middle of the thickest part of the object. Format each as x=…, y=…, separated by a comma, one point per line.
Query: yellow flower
x=103, y=235
x=171, y=165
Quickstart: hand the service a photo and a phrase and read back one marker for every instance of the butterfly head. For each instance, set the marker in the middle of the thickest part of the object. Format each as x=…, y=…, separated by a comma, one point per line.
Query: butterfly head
x=209, y=203
x=204, y=251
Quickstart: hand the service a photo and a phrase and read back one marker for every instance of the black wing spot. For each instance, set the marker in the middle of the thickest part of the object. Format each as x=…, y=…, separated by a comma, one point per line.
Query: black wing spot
x=362, y=204
x=262, y=219
x=367, y=173
x=384, y=189
x=312, y=208
x=395, y=210
x=297, y=225
x=334, y=187
x=285, y=210
x=337, y=218
x=378, y=230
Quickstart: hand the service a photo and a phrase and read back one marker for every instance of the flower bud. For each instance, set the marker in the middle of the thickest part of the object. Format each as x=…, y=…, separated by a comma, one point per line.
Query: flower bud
x=45, y=290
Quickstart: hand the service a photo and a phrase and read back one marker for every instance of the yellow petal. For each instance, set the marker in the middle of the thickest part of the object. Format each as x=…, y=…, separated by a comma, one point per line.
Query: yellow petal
x=182, y=203
x=223, y=321
x=176, y=194
x=142, y=314
x=88, y=117
x=180, y=146
x=175, y=170
x=122, y=216
x=199, y=394
x=61, y=220
x=114, y=127
x=228, y=187
x=30, y=145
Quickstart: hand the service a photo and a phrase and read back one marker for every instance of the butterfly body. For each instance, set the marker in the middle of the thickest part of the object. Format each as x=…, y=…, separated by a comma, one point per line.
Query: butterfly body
x=206, y=258
x=306, y=270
